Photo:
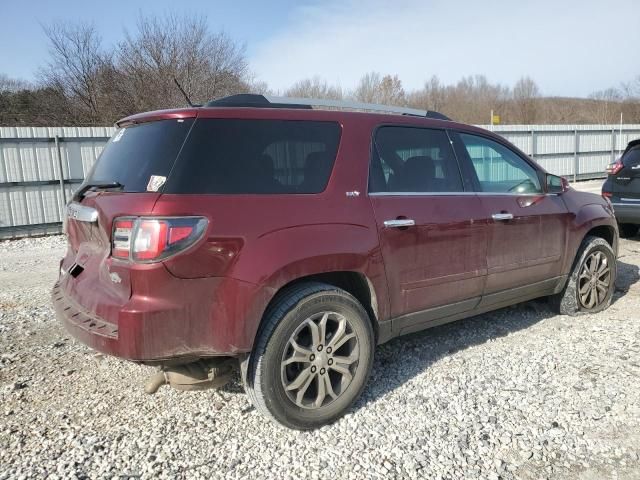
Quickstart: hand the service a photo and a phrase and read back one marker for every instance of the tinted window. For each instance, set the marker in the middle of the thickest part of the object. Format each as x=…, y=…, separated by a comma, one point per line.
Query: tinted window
x=135, y=153
x=409, y=159
x=256, y=156
x=499, y=169
x=632, y=157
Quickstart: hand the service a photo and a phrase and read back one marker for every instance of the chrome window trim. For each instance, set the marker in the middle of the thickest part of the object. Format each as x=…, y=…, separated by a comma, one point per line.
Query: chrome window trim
x=626, y=204
x=451, y=194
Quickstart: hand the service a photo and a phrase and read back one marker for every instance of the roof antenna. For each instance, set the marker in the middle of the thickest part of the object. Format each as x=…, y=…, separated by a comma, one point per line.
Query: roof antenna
x=184, y=93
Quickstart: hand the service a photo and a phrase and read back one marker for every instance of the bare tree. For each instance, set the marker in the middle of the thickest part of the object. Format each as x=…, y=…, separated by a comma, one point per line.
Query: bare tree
x=74, y=70
x=387, y=90
x=431, y=97
x=207, y=65
x=314, y=87
x=607, y=107
x=631, y=90
x=12, y=85
x=525, y=95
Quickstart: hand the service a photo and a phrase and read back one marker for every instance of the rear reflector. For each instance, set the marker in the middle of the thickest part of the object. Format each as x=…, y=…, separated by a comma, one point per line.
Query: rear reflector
x=150, y=239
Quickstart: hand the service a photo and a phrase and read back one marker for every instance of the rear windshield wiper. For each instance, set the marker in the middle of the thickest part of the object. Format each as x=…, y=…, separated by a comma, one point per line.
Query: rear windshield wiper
x=79, y=195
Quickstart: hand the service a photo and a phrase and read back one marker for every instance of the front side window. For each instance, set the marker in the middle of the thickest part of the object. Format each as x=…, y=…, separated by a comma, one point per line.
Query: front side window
x=241, y=156
x=499, y=170
x=418, y=160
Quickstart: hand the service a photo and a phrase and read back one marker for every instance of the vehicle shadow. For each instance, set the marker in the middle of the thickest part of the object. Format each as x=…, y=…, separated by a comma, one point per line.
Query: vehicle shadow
x=420, y=350
x=628, y=274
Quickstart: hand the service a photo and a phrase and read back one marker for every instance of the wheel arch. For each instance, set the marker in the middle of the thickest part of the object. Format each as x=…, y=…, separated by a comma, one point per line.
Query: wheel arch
x=591, y=220
x=606, y=232
x=355, y=283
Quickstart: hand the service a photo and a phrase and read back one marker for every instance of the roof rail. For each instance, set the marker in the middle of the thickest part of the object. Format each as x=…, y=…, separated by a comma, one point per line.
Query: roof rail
x=269, y=101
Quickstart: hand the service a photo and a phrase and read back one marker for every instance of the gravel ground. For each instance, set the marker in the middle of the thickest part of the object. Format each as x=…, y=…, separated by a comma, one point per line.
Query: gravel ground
x=518, y=393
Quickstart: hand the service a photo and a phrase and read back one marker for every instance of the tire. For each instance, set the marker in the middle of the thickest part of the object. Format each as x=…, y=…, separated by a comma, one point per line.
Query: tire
x=628, y=230
x=568, y=301
x=271, y=383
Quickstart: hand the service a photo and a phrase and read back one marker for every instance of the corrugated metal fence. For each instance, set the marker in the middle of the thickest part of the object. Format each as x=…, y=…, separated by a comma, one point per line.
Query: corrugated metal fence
x=33, y=193
x=577, y=152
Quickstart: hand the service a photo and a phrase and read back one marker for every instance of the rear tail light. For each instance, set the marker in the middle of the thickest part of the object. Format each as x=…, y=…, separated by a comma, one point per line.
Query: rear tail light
x=614, y=168
x=150, y=239
x=607, y=194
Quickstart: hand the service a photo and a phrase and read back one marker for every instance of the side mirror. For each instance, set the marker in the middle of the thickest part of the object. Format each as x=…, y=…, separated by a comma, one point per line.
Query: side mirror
x=556, y=184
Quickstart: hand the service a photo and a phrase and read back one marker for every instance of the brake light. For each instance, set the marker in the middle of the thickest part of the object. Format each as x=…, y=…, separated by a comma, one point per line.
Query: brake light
x=150, y=239
x=614, y=168
x=607, y=194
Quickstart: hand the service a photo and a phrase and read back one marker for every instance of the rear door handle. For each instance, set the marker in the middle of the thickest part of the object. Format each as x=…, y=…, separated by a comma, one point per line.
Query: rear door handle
x=399, y=222
x=502, y=217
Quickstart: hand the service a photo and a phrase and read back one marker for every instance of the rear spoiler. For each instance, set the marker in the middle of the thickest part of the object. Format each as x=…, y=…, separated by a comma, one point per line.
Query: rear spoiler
x=632, y=144
x=158, y=115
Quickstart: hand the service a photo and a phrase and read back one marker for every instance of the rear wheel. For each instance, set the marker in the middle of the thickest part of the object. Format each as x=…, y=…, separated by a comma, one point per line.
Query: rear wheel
x=312, y=357
x=628, y=230
x=591, y=283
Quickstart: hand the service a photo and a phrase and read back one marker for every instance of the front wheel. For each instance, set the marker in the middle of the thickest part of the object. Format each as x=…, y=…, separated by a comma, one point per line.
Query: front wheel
x=312, y=357
x=591, y=283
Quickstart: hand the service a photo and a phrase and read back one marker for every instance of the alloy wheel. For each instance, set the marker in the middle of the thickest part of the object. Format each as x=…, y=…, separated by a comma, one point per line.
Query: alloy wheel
x=594, y=280
x=319, y=360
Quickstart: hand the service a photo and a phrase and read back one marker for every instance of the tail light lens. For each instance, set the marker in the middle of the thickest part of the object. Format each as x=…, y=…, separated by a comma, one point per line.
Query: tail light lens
x=614, y=168
x=150, y=239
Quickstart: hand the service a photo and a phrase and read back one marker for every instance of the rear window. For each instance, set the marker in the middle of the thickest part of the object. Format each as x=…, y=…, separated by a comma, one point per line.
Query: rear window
x=235, y=156
x=137, y=152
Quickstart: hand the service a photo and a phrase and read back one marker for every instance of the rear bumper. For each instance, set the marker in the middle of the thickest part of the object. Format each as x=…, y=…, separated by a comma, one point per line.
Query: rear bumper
x=174, y=319
x=627, y=212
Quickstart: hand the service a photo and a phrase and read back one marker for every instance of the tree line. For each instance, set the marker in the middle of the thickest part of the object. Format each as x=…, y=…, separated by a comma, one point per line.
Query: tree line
x=86, y=83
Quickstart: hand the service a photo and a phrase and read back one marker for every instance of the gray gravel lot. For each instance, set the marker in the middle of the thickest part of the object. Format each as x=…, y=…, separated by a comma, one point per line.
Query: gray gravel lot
x=518, y=393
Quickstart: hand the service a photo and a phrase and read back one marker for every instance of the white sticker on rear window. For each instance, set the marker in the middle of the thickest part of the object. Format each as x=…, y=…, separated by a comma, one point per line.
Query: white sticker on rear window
x=119, y=135
x=155, y=182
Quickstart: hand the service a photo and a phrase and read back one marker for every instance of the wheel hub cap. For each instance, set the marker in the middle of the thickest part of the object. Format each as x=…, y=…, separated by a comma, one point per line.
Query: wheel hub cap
x=594, y=280
x=320, y=360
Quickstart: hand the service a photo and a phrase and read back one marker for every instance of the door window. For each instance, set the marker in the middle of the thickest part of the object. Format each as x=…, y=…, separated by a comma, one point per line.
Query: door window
x=500, y=170
x=417, y=160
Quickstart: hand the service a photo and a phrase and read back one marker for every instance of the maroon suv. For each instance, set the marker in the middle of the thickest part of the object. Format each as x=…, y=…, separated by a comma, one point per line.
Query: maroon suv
x=288, y=241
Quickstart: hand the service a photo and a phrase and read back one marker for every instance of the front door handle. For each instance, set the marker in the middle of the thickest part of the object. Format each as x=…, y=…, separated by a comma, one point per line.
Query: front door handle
x=399, y=223
x=502, y=217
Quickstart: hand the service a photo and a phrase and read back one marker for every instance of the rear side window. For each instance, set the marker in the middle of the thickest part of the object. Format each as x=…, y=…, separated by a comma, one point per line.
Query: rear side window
x=137, y=152
x=499, y=170
x=236, y=156
x=632, y=157
x=407, y=159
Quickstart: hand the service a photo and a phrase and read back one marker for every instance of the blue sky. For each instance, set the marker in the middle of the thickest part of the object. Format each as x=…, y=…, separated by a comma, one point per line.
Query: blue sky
x=570, y=47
